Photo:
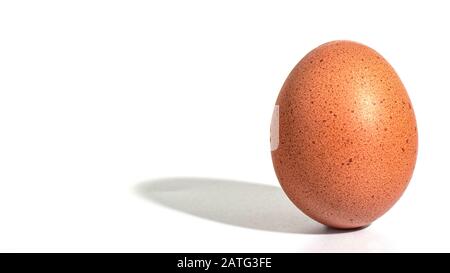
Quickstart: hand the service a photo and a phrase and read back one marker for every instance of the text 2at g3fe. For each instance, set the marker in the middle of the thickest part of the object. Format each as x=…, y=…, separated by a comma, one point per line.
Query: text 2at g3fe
x=225, y=262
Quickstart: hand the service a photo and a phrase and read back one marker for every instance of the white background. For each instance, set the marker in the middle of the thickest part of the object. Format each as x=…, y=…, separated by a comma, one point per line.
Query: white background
x=144, y=125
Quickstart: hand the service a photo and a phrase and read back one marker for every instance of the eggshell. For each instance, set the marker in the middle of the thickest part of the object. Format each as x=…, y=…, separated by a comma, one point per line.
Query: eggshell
x=343, y=135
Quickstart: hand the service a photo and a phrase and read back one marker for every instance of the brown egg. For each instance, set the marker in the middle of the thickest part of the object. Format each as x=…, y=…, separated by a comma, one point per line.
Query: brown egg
x=343, y=135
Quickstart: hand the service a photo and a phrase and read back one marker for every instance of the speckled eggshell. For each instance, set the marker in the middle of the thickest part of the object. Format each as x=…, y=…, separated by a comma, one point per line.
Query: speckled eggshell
x=343, y=135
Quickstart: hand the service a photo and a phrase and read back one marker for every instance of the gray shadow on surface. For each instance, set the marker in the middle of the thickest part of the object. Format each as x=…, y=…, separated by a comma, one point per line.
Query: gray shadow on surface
x=237, y=203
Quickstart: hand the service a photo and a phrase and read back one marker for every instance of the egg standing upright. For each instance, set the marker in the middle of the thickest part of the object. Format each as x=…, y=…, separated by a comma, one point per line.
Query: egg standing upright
x=343, y=135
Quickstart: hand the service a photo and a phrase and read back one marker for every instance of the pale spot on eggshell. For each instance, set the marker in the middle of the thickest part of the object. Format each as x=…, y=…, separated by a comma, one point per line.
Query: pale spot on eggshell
x=274, y=129
x=346, y=141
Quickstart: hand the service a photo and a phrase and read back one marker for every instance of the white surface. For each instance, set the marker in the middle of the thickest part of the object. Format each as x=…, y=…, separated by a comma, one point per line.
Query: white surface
x=106, y=105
